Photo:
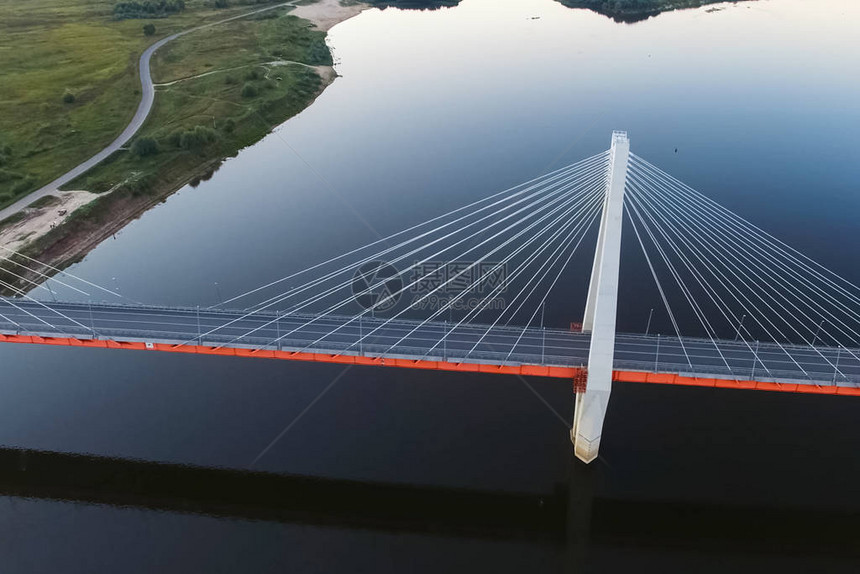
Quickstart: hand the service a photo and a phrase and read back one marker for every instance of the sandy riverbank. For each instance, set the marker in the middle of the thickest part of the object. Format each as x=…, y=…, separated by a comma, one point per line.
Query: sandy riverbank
x=326, y=13
x=37, y=221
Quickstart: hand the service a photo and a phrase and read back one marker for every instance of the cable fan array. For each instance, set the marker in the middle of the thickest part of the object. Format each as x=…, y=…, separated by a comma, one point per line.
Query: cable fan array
x=471, y=285
x=734, y=280
x=21, y=274
x=450, y=269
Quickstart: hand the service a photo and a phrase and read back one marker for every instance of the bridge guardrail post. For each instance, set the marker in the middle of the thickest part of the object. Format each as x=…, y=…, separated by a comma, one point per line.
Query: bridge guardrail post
x=92, y=320
x=278, y=329
x=755, y=360
x=543, y=333
x=836, y=366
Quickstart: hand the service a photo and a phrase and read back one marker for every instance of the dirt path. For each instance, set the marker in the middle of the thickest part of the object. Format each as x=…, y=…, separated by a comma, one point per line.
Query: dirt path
x=224, y=70
x=37, y=221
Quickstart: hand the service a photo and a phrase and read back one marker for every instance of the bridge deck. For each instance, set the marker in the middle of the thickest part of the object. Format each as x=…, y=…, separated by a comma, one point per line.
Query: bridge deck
x=552, y=352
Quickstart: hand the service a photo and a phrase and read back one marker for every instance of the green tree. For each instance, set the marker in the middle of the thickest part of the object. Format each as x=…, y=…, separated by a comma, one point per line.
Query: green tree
x=148, y=29
x=143, y=147
x=197, y=138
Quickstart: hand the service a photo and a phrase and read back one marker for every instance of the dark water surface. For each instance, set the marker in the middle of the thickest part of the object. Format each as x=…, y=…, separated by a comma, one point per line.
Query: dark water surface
x=434, y=110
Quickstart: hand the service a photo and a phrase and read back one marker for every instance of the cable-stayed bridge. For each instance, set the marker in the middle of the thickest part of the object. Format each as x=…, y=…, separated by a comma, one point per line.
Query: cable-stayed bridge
x=467, y=291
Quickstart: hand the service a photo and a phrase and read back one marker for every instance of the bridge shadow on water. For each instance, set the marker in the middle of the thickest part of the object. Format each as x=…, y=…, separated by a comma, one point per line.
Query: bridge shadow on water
x=570, y=518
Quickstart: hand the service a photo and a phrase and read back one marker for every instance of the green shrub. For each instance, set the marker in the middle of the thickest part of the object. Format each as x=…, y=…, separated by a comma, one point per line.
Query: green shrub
x=139, y=185
x=230, y=80
x=148, y=29
x=197, y=138
x=85, y=210
x=99, y=186
x=252, y=75
x=229, y=125
x=143, y=147
x=318, y=53
x=68, y=97
x=173, y=140
x=249, y=90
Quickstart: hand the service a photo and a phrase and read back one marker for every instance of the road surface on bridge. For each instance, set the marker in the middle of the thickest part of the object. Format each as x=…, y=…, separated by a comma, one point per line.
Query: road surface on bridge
x=375, y=337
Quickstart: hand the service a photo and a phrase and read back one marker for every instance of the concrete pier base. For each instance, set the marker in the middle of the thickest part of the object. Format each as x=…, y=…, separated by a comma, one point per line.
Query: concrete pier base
x=588, y=423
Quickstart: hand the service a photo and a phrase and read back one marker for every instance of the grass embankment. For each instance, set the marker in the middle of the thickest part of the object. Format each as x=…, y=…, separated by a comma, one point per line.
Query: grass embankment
x=223, y=88
x=51, y=48
x=220, y=90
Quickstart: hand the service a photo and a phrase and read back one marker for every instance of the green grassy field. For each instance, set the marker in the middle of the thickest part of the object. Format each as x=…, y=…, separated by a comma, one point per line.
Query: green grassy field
x=226, y=88
x=230, y=85
x=49, y=47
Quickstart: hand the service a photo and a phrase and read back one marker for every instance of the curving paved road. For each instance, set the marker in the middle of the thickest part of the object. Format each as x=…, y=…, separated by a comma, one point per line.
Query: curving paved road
x=143, y=109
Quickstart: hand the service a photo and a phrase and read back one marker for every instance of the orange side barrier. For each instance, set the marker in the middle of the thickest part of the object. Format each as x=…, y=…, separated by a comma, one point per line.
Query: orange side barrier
x=670, y=379
x=529, y=370
x=576, y=374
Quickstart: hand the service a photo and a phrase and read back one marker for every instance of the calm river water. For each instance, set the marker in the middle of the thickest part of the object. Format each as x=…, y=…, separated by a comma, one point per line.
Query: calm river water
x=435, y=109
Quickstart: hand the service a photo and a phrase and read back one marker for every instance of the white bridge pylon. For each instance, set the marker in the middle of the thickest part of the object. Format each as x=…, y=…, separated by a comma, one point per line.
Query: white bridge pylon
x=601, y=308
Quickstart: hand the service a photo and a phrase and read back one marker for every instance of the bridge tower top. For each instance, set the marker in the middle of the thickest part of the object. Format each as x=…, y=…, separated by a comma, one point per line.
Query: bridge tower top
x=619, y=136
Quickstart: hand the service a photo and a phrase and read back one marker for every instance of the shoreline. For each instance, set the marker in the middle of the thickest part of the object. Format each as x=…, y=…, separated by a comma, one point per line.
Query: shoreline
x=59, y=241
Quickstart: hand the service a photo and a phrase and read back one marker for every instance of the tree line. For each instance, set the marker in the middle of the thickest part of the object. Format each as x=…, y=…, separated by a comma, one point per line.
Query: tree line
x=147, y=9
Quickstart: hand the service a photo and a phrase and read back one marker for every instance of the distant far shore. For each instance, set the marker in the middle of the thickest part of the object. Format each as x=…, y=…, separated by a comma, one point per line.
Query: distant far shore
x=637, y=10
